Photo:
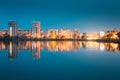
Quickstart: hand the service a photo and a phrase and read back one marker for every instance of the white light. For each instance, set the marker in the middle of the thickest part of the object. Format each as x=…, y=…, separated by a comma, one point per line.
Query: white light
x=102, y=34
x=10, y=31
x=10, y=48
x=102, y=47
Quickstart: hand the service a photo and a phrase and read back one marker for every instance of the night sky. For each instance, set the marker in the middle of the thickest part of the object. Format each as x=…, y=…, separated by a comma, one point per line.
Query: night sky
x=86, y=15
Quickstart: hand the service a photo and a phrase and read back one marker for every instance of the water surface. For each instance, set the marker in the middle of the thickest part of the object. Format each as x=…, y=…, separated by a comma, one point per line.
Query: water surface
x=59, y=60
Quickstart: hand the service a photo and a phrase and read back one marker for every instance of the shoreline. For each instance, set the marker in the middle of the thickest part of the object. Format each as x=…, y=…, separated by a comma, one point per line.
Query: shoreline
x=25, y=39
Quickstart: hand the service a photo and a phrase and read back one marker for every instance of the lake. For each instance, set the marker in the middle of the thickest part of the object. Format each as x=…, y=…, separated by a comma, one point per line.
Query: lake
x=59, y=60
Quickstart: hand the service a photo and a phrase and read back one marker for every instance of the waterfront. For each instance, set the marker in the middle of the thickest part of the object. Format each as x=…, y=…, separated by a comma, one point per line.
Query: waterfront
x=36, y=33
x=61, y=60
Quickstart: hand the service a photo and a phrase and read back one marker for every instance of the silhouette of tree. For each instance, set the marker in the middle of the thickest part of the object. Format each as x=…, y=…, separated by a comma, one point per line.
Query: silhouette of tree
x=109, y=35
x=118, y=34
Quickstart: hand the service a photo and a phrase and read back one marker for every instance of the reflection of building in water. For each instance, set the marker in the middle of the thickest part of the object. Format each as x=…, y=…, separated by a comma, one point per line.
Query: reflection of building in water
x=12, y=50
x=102, y=46
x=112, y=47
x=118, y=48
x=35, y=49
x=52, y=46
x=37, y=46
x=65, y=46
x=90, y=44
x=23, y=45
x=3, y=46
x=75, y=45
x=62, y=45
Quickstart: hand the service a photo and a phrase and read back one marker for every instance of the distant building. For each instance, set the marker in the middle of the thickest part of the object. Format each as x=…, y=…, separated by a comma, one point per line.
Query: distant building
x=76, y=34
x=65, y=33
x=35, y=29
x=24, y=33
x=3, y=33
x=51, y=33
x=90, y=36
x=112, y=34
x=12, y=28
x=102, y=33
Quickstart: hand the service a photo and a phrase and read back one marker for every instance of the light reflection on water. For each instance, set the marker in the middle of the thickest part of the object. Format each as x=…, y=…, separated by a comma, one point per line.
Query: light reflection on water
x=59, y=60
x=55, y=46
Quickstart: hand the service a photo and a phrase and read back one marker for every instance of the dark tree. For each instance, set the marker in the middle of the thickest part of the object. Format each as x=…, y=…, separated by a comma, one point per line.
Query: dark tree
x=118, y=34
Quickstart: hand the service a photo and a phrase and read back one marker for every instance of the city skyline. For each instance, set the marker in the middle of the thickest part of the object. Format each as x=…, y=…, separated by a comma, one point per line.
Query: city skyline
x=88, y=27
x=59, y=39
x=36, y=33
x=42, y=27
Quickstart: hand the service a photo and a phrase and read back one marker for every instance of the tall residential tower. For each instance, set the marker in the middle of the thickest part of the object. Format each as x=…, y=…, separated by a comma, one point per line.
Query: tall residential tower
x=35, y=29
x=12, y=28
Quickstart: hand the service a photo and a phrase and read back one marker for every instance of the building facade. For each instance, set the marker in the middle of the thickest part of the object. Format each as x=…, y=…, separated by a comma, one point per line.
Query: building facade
x=12, y=28
x=35, y=29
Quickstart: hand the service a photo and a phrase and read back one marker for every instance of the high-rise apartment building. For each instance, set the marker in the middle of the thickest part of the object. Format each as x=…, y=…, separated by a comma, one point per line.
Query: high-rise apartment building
x=35, y=29
x=12, y=28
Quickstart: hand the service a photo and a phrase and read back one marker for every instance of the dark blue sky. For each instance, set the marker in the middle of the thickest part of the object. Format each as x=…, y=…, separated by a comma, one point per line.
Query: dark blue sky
x=87, y=15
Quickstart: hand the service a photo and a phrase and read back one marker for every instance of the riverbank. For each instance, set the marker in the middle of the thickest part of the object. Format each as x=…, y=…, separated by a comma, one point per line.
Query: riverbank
x=44, y=39
x=108, y=40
